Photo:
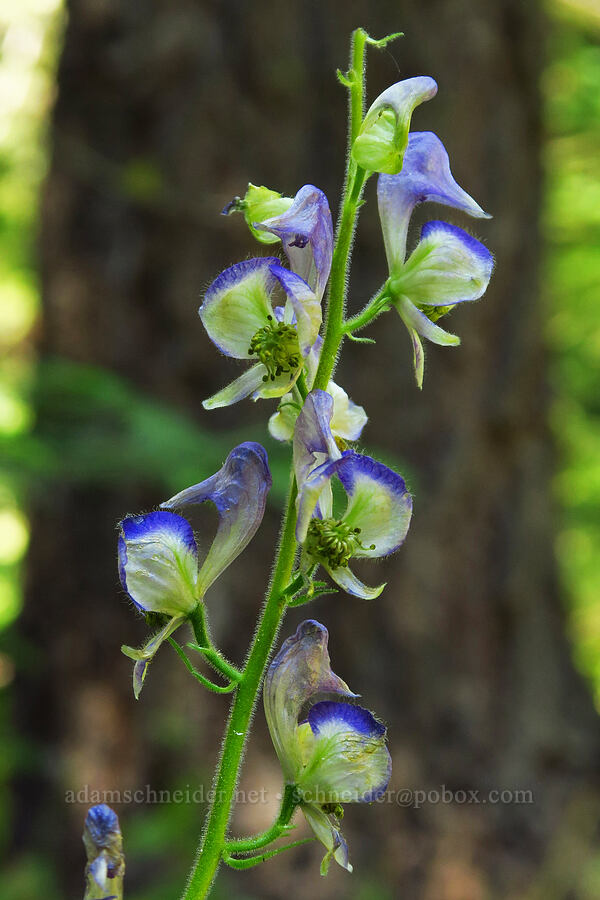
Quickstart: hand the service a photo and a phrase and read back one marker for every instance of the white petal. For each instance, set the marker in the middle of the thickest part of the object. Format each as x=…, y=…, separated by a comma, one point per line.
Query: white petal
x=242, y=387
x=348, y=581
x=414, y=319
x=237, y=304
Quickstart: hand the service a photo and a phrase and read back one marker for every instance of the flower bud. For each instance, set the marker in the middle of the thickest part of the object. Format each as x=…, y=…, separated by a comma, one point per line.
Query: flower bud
x=259, y=203
x=383, y=135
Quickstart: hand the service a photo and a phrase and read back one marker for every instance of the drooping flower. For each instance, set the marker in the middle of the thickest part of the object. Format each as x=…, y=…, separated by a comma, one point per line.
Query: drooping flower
x=377, y=516
x=383, y=136
x=336, y=752
x=239, y=317
x=448, y=266
x=347, y=421
x=158, y=554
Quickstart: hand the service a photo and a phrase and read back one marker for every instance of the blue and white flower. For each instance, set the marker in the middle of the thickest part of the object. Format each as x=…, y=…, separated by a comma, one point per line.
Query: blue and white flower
x=379, y=508
x=240, y=319
x=336, y=752
x=383, y=136
x=158, y=554
x=448, y=266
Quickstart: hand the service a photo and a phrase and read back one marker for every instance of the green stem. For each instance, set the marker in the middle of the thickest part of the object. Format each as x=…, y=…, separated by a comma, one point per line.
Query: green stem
x=378, y=304
x=351, y=201
x=281, y=826
x=250, y=861
x=206, y=682
x=205, y=645
x=213, y=842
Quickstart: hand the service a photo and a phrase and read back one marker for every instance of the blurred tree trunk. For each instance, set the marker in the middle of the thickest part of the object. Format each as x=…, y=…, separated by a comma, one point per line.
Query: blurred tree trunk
x=164, y=112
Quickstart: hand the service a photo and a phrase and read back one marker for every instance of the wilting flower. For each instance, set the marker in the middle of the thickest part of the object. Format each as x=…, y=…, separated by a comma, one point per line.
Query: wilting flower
x=383, y=135
x=377, y=516
x=347, y=421
x=448, y=266
x=336, y=754
x=104, y=849
x=239, y=317
x=158, y=554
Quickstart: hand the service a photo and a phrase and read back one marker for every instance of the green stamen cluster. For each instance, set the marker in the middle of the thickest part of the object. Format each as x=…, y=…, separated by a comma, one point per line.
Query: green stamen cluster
x=434, y=313
x=332, y=542
x=276, y=346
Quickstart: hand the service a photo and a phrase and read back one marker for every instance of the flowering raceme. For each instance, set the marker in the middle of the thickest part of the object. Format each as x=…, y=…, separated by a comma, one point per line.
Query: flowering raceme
x=158, y=554
x=268, y=312
x=336, y=753
x=448, y=266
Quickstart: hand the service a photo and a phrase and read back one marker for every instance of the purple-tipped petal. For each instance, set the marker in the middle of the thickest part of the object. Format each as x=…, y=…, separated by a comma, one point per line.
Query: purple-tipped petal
x=236, y=305
x=378, y=504
x=306, y=306
x=448, y=266
x=326, y=713
x=239, y=491
x=300, y=671
x=349, y=762
x=158, y=562
x=425, y=177
x=314, y=443
x=306, y=232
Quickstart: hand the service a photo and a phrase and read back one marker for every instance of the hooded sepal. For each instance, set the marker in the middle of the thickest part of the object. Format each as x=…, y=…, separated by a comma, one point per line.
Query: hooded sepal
x=425, y=177
x=300, y=670
x=306, y=232
x=239, y=491
x=383, y=135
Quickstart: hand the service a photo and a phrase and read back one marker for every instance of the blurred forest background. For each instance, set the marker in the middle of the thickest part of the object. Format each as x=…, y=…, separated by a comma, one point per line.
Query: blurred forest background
x=124, y=129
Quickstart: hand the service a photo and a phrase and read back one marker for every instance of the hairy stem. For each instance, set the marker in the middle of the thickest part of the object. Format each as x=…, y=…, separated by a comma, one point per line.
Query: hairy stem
x=214, y=847
x=213, y=842
x=351, y=200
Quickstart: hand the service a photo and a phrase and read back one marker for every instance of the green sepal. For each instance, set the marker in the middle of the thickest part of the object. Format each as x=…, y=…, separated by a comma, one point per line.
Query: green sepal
x=259, y=204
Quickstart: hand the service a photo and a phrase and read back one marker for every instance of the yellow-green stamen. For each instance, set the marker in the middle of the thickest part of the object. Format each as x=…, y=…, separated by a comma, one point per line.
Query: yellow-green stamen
x=276, y=346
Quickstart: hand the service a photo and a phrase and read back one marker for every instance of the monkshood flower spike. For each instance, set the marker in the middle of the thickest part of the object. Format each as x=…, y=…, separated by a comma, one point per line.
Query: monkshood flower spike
x=342, y=505
x=448, y=266
x=240, y=319
x=330, y=750
x=158, y=554
x=377, y=516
